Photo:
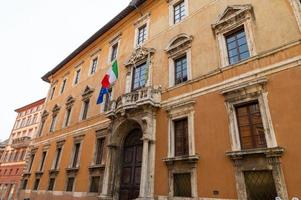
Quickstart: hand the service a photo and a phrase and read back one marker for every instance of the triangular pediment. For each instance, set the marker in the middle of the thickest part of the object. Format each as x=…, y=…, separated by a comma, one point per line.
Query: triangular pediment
x=232, y=11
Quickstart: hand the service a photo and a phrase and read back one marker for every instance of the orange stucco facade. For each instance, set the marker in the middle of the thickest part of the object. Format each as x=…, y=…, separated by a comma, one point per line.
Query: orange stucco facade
x=215, y=161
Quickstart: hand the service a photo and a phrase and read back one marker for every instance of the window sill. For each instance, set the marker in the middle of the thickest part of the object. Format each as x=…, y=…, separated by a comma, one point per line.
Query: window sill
x=96, y=168
x=268, y=152
x=72, y=170
x=53, y=172
x=178, y=85
x=193, y=159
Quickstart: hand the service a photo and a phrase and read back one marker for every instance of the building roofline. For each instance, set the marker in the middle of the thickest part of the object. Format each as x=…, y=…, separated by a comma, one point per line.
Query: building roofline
x=41, y=101
x=125, y=12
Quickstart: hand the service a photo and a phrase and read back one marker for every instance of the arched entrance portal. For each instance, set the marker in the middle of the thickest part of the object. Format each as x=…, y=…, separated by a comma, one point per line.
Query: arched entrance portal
x=131, y=166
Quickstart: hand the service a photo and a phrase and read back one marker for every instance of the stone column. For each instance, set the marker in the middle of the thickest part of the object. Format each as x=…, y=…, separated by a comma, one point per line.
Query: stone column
x=144, y=168
x=278, y=177
x=107, y=186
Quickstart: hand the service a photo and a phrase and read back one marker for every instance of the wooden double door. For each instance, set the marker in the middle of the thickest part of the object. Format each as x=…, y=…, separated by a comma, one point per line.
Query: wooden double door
x=131, y=166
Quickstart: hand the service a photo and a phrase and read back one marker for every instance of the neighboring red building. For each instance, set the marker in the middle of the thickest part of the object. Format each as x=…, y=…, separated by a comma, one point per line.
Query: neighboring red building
x=13, y=153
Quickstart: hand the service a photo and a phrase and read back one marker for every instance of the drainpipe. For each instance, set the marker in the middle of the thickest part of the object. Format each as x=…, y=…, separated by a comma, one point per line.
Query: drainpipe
x=133, y=3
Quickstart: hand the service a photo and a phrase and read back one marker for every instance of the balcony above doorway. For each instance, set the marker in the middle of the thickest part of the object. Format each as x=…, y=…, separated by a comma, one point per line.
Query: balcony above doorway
x=147, y=96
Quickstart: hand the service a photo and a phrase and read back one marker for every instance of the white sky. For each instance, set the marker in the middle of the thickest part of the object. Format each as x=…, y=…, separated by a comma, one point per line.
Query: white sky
x=35, y=35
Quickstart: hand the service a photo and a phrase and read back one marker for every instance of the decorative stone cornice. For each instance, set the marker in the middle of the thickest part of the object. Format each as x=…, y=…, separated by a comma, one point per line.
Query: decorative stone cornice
x=232, y=16
x=70, y=101
x=138, y=55
x=55, y=109
x=44, y=115
x=87, y=93
x=268, y=152
x=60, y=143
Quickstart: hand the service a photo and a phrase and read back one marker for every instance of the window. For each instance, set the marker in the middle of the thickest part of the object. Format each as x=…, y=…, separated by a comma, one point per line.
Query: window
x=180, y=70
x=237, y=46
x=53, y=123
x=35, y=118
x=75, y=155
x=36, y=184
x=94, y=66
x=51, y=184
x=77, y=76
x=30, y=162
x=94, y=186
x=107, y=99
x=41, y=127
x=179, y=12
x=28, y=121
x=139, y=76
x=17, y=124
x=181, y=137
x=63, y=85
x=99, y=150
x=57, y=158
x=260, y=185
x=23, y=122
x=296, y=4
x=234, y=33
x=67, y=118
x=142, y=34
x=70, y=183
x=24, y=185
x=250, y=126
x=182, y=185
x=114, y=52
x=85, y=109
x=43, y=161
x=52, y=93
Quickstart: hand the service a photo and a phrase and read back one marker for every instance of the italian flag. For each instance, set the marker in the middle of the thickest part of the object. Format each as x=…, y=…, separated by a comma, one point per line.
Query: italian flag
x=110, y=77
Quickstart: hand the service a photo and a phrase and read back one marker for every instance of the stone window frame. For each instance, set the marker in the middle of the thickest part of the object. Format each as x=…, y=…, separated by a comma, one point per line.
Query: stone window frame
x=68, y=105
x=54, y=184
x=139, y=56
x=193, y=182
x=63, y=85
x=296, y=5
x=55, y=112
x=115, y=40
x=86, y=96
x=102, y=106
x=76, y=140
x=59, y=144
x=243, y=93
x=179, y=46
x=179, y=111
x=142, y=21
x=100, y=134
x=171, y=5
x=93, y=57
x=51, y=91
x=90, y=185
x=78, y=68
x=43, y=163
x=232, y=18
x=73, y=186
x=42, y=124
